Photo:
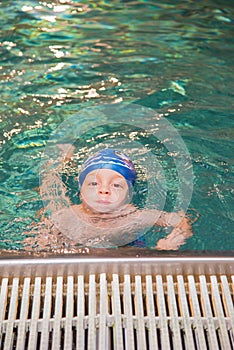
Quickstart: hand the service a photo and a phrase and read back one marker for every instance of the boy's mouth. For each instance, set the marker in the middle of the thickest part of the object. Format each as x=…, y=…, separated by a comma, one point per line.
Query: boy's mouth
x=102, y=201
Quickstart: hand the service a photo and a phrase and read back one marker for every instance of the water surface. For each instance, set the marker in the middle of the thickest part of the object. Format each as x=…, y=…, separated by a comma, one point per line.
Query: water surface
x=175, y=57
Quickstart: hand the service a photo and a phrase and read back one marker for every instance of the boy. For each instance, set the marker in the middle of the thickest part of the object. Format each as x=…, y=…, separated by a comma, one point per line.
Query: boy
x=105, y=217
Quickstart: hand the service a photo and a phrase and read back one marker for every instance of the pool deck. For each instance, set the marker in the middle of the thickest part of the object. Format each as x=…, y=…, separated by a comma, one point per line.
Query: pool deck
x=117, y=299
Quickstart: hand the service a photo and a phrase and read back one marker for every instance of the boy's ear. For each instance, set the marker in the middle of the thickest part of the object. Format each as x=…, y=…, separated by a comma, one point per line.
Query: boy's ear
x=129, y=195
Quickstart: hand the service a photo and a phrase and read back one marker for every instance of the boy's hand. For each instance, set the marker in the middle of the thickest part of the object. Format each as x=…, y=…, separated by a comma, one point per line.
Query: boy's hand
x=177, y=237
x=174, y=219
x=67, y=151
x=170, y=244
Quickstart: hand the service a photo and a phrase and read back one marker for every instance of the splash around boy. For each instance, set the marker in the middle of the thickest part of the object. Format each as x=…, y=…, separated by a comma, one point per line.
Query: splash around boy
x=105, y=217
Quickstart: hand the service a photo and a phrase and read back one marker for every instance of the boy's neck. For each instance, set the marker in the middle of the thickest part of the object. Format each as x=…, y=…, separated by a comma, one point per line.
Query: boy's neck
x=125, y=209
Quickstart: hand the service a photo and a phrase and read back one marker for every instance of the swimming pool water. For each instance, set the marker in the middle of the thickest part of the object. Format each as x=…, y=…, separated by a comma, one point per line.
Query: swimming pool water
x=58, y=57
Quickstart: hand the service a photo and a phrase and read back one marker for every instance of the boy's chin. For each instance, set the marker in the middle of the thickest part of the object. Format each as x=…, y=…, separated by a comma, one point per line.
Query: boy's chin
x=104, y=209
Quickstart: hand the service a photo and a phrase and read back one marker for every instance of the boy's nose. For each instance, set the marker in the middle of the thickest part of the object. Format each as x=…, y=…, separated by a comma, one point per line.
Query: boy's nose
x=104, y=191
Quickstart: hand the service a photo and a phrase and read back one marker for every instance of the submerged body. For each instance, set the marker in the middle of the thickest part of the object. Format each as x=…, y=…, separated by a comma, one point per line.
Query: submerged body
x=120, y=227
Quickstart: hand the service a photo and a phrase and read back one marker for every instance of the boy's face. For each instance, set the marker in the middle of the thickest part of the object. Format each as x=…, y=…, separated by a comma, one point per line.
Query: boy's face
x=104, y=190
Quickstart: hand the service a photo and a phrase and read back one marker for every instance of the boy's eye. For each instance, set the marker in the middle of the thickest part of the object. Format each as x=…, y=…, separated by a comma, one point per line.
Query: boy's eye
x=117, y=185
x=93, y=183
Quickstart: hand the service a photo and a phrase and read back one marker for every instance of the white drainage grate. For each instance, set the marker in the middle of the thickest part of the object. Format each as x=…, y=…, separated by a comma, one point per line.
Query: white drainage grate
x=112, y=311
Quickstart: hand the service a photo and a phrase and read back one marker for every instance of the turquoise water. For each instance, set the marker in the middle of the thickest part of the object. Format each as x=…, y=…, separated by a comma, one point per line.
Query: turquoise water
x=173, y=56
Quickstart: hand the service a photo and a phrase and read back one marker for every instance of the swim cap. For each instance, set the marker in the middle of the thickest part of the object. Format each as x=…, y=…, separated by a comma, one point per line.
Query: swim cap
x=109, y=159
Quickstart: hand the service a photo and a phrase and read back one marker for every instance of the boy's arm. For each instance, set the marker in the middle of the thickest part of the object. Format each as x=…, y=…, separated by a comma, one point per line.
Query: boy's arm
x=67, y=151
x=52, y=189
x=181, y=231
x=169, y=219
x=182, y=228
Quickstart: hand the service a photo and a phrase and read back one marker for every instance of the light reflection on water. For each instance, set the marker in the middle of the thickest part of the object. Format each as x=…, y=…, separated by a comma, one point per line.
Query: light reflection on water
x=58, y=57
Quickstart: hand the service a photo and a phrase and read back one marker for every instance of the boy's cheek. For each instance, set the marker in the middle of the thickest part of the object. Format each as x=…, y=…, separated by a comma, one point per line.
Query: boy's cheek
x=88, y=193
x=116, y=197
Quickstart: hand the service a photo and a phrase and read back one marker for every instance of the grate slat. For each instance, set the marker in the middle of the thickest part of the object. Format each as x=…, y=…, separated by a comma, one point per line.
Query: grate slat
x=163, y=325
x=220, y=314
x=127, y=299
x=8, y=343
x=174, y=314
x=32, y=343
x=46, y=314
x=198, y=324
x=80, y=336
x=92, y=313
x=153, y=341
x=58, y=314
x=3, y=304
x=140, y=327
x=227, y=300
x=118, y=329
x=183, y=304
x=175, y=327
x=206, y=304
x=231, y=313
x=69, y=313
x=23, y=315
x=102, y=334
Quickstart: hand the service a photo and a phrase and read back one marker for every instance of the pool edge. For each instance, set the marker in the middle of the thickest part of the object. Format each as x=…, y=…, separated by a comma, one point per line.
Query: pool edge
x=70, y=265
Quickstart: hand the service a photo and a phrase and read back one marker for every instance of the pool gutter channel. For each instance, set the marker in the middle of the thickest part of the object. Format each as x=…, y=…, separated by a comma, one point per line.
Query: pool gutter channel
x=127, y=302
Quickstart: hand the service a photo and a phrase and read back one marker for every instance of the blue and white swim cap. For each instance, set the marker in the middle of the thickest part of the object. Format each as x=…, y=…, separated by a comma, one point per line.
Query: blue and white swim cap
x=109, y=159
